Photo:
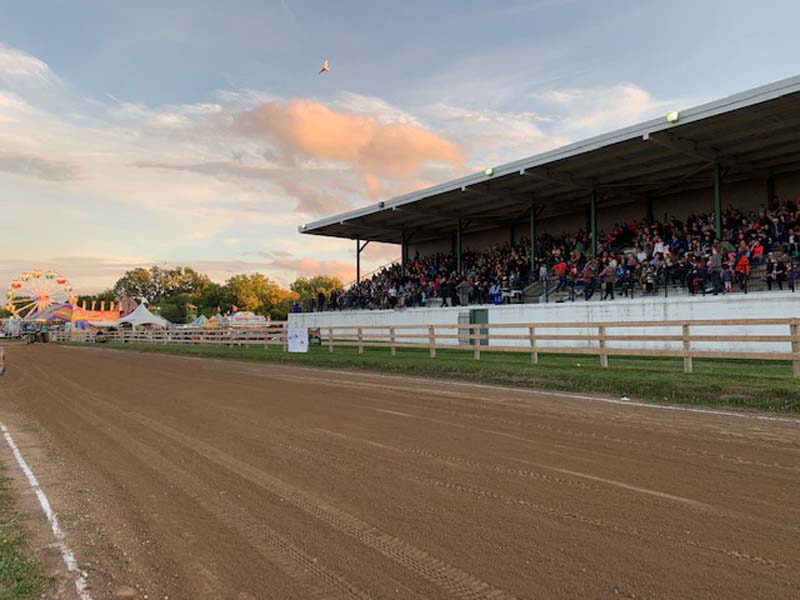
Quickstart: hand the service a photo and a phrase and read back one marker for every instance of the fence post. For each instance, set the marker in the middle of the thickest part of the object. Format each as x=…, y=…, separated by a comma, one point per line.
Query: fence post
x=795, y=331
x=601, y=335
x=534, y=353
x=432, y=341
x=392, y=347
x=360, y=341
x=687, y=348
x=474, y=340
x=330, y=339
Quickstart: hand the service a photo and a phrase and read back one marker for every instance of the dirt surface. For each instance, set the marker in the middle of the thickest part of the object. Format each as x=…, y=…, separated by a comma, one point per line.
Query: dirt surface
x=191, y=478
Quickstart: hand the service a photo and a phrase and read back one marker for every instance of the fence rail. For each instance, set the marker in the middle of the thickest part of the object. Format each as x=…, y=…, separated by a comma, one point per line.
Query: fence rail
x=763, y=339
x=274, y=335
x=682, y=338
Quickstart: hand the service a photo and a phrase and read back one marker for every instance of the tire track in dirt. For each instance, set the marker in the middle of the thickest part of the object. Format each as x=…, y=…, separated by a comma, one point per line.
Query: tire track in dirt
x=291, y=560
x=593, y=522
x=405, y=478
x=458, y=400
x=450, y=578
x=571, y=515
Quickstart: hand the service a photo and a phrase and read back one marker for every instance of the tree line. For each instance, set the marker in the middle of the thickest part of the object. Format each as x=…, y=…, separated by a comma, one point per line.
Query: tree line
x=181, y=292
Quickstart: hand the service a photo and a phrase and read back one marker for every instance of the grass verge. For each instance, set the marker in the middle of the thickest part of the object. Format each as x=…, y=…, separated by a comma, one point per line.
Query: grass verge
x=21, y=575
x=742, y=384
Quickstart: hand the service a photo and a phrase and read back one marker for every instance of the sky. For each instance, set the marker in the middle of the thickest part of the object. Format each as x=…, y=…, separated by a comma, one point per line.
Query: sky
x=199, y=133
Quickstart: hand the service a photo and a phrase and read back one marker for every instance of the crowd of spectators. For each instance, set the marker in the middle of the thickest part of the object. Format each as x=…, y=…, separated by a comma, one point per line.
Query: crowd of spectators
x=639, y=257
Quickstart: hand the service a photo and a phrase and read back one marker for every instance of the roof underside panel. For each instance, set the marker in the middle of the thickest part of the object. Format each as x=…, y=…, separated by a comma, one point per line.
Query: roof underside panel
x=754, y=134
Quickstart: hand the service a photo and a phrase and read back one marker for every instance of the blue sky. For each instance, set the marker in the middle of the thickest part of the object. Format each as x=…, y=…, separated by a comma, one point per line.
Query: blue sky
x=187, y=132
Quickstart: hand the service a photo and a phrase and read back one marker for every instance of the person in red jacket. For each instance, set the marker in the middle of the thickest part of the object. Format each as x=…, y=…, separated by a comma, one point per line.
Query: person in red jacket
x=742, y=269
x=560, y=271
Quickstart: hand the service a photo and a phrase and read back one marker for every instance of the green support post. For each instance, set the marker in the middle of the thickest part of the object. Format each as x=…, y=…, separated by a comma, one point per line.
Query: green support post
x=358, y=260
x=594, y=222
x=458, y=246
x=403, y=253
x=533, y=239
x=717, y=202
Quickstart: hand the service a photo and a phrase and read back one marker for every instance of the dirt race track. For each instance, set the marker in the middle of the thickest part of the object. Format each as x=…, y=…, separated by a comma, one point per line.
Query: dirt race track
x=189, y=478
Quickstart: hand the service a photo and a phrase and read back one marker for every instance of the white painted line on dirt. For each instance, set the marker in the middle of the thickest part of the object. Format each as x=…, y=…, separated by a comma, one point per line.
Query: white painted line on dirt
x=52, y=518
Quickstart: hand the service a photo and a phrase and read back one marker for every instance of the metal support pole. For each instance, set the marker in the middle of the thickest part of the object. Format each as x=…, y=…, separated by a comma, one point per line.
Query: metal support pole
x=358, y=260
x=533, y=240
x=650, y=213
x=359, y=249
x=717, y=202
x=458, y=246
x=403, y=254
x=593, y=218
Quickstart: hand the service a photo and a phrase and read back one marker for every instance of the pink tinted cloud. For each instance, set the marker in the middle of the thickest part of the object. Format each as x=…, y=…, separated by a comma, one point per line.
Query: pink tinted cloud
x=316, y=199
x=313, y=130
x=307, y=267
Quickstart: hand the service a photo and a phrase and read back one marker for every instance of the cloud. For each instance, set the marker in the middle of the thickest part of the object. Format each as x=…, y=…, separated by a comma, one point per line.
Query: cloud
x=314, y=196
x=587, y=111
x=495, y=137
x=312, y=130
x=343, y=269
x=215, y=168
x=35, y=166
x=316, y=200
x=222, y=177
x=15, y=63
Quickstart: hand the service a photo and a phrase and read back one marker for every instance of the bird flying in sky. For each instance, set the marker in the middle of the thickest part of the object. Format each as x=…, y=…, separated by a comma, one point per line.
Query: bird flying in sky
x=325, y=68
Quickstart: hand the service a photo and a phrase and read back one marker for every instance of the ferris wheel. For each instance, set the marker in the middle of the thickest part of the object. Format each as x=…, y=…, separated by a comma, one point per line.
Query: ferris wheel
x=36, y=291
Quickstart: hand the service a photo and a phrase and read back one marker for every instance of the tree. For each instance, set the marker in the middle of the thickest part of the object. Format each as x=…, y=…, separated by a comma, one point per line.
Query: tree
x=136, y=283
x=258, y=293
x=213, y=296
x=157, y=283
x=307, y=288
x=169, y=283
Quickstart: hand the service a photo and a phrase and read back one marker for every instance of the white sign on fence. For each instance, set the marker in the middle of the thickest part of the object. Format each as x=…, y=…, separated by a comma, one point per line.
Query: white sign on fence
x=298, y=339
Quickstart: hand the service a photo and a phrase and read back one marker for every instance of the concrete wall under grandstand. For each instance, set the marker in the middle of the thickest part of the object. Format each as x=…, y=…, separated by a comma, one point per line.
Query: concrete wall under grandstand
x=738, y=306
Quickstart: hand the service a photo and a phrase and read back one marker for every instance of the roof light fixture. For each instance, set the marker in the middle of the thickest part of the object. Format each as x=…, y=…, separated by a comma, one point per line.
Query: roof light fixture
x=673, y=116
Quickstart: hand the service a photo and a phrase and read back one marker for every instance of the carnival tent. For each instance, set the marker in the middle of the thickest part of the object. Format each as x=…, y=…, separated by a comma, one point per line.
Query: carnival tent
x=142, y=316
x=200, y=321
x=57, y=312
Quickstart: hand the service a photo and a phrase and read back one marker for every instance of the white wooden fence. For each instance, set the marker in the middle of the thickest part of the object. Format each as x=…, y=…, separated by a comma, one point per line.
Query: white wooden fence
x=539, y=338
x=274, y=335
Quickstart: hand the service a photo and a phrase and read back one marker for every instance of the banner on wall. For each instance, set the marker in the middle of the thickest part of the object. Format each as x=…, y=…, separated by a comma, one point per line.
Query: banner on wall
x=297, y=339
x=82, y=314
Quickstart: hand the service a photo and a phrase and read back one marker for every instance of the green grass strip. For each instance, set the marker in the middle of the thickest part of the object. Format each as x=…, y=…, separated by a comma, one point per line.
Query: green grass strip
x=21, y=575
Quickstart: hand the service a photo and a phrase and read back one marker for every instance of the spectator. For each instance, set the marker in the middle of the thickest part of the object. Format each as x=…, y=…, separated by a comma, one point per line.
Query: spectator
x=682, y=253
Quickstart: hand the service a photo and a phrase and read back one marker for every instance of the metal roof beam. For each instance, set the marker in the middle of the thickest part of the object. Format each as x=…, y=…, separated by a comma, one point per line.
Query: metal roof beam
x=693, y=149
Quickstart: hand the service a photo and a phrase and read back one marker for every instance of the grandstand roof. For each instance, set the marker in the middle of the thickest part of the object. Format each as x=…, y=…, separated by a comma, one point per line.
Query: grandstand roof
x=751, y=135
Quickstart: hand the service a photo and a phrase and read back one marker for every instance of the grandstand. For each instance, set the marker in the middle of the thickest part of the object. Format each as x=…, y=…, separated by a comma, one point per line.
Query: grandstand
x=742, y=151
